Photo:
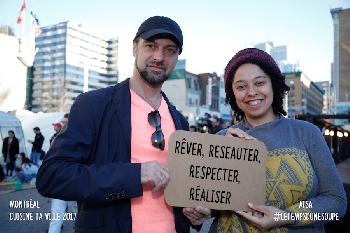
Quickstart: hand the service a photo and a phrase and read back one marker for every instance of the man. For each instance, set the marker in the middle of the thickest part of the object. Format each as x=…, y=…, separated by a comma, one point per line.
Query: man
x=64, y=120
x=57, y=128
x=58, y=207
x=112, y=157
x=10, y=148
x=37, y=145
x=216, y=126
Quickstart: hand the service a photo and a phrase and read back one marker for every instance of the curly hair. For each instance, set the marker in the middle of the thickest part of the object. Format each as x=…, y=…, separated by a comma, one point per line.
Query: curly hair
x=268, y=65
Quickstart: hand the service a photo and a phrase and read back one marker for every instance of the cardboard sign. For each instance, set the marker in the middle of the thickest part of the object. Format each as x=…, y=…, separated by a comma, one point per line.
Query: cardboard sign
x=217, y=172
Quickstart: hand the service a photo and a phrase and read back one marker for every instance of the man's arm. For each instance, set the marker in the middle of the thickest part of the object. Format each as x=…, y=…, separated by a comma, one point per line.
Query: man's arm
x=66, y=172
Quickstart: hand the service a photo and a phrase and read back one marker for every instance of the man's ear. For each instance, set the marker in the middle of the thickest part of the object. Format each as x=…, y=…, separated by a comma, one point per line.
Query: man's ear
x=134, y=48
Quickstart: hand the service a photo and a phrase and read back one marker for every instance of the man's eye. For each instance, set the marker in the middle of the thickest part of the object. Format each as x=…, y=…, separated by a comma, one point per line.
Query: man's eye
x=171, y=51
x=150, y=46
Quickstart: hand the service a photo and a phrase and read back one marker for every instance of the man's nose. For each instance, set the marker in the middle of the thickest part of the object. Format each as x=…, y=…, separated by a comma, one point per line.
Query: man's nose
x=158, y=55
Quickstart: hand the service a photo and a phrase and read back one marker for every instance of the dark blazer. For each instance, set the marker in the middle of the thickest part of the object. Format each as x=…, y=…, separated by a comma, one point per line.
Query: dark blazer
x=90, y=162
x=14, y=148
x=38, y=143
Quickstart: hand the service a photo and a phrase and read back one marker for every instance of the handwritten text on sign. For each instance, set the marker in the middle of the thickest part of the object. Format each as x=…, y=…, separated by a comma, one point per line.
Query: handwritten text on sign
x=217, y=172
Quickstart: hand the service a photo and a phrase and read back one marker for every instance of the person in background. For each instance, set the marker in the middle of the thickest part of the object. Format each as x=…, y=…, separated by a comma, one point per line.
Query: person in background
x=58, y=206
x=193, y=128
x=299, y=166
x=112, y=157
x=64, y=120
x=57, y=128
x=27, y=170
x=10, y=148
x=37, y=145
x=216, y=126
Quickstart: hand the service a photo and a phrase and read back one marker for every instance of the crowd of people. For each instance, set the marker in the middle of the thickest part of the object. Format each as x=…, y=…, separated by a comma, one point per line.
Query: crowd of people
x=18, y=164
x=209, y=124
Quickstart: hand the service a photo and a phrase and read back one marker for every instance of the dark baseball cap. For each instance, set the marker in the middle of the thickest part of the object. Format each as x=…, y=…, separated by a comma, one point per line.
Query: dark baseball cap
x=162, y=27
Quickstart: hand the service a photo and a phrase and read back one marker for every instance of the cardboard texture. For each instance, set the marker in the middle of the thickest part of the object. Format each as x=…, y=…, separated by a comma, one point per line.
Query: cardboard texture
x=217, y=172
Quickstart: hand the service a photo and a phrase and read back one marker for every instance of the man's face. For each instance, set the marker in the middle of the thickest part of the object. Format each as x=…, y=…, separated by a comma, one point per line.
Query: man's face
x=155, y=59
x=10, y=134
x=64, y=121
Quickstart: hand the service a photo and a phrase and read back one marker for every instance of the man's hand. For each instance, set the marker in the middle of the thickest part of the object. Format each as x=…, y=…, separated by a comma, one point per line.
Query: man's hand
x=198, y=215
x=263, y=216
x=155, y=173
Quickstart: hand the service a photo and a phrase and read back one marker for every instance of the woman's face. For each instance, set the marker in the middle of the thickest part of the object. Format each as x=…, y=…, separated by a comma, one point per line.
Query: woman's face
x=254, y=95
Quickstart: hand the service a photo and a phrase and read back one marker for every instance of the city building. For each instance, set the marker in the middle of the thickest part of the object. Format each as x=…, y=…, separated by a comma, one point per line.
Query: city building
x=210, y=85
x=304, y=97
x=265, y=46
x=69, y=60
x=279, y=54
x=343, y=108
x=183, y=90
x=340, y=66
x=328, y=97
x=194, y=95
x=224, y=109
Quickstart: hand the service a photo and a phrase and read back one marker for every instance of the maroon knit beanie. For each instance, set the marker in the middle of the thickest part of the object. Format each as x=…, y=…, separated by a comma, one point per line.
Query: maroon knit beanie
x=252, y=56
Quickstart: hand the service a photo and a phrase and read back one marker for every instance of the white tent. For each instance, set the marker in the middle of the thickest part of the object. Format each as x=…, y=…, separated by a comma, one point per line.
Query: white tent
x=11, y=122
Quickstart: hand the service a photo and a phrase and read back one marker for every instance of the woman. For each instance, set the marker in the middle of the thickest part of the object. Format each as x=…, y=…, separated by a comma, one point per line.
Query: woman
x=10, y=148
x=299, y=166
x=28, y=170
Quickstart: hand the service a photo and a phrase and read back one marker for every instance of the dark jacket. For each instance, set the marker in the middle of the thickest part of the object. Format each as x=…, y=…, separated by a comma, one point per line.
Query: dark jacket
x=53, y=137
x=38, y=143
x=90, y=162
x=14, y=148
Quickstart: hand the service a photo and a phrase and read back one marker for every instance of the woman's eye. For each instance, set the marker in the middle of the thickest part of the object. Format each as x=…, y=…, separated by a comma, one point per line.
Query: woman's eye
x=260, y=83
x=240, y=87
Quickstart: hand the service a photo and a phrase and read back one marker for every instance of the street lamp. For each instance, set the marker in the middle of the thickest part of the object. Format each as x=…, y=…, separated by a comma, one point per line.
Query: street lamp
x=326, y=132
x=331, y=133
x=339, y=135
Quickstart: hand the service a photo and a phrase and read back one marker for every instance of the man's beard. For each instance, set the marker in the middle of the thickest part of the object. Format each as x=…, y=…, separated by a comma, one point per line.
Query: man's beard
x=155, y=79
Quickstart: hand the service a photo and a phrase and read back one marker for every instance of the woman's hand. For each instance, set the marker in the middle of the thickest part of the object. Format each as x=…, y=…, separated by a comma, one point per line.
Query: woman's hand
x=264, y=217
x=234, y=132
x=198, y=215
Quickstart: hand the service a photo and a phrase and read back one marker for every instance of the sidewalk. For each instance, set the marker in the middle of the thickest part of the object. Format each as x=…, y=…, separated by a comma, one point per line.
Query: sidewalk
x=36, y=226
x=28, y=226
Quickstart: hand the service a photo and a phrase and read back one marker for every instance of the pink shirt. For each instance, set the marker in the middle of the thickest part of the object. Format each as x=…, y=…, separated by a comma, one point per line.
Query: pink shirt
x=150, y=213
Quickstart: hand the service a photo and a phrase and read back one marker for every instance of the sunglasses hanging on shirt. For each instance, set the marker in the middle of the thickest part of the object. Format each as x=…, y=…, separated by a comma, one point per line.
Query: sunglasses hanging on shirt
x=157, y=137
